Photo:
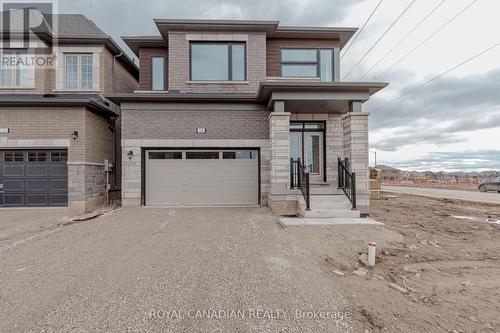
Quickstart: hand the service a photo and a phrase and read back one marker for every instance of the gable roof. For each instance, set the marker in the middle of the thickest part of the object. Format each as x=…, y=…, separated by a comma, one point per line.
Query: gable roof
x=73, y=29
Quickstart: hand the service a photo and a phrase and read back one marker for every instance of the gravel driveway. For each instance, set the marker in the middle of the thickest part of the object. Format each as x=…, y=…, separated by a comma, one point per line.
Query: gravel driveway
x=143, y=269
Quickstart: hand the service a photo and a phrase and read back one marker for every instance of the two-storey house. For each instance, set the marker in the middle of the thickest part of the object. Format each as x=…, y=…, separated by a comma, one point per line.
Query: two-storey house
x=56, y=128
x=245, y=113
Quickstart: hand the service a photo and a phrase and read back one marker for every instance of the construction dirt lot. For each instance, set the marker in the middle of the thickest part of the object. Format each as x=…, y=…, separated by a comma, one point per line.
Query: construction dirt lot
x=124, y=270
x=446, y=257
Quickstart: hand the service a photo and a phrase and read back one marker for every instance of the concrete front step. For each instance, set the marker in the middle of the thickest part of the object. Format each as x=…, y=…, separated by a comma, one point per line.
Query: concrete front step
x=334, y=213
x=328, y=206
x=325, y=190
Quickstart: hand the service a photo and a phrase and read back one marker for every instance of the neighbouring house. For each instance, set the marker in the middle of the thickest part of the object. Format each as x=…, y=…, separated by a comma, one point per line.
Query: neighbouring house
x=56, y=128
x=245, y=113
x=390, y=174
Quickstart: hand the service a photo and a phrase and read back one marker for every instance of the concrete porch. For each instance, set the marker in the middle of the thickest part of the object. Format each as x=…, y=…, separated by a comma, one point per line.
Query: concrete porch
x=338, y=108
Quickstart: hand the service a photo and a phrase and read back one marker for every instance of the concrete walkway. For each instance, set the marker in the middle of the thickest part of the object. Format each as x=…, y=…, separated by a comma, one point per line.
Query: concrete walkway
x=300, y=222
x=492, y=198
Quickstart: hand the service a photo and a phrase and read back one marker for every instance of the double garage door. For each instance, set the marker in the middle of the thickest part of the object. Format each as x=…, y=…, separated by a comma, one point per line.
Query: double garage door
x=33, y=178
x=201, y=177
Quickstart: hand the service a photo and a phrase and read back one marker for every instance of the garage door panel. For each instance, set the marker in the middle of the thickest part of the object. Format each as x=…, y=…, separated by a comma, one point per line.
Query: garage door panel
x=58, y=184
x=13, y=171
x=37, y=184
x=13, y=199
x=15, y=185
x=58, y=199
x=34, y=178
x=37, y=171
x=58, y=170
x=202, y=182
x=37, y=199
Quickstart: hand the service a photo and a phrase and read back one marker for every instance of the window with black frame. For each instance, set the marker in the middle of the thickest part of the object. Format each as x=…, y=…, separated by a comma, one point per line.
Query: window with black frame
x=308, y=63
x=217, y=61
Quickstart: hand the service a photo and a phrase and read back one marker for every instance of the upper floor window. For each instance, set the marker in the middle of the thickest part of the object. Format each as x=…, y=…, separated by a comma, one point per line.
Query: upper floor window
x=218, y=61
x=307, y=63
x=157, y=73
x=16, y=69
x=79, y=72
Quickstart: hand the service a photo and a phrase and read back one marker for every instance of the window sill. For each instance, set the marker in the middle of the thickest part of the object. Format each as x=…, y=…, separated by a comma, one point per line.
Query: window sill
x=219, y=82
x=17, y=88
x=77, y=90
x=294, y=78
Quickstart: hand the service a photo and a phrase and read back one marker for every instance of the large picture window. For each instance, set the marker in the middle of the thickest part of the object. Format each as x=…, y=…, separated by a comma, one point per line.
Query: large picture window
x=16, y=70
x=79, y=73
x=218, y=61
x=307, y=63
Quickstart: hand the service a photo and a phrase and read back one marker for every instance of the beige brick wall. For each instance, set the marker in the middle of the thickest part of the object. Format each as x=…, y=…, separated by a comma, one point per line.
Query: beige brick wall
x=53, y=123
x=178, y=65
x=182, y=124
x=98, y=139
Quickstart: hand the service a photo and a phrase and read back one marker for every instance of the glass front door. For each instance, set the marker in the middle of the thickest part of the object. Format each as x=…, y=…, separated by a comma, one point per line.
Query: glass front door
x=313, y=154
x=308, y=146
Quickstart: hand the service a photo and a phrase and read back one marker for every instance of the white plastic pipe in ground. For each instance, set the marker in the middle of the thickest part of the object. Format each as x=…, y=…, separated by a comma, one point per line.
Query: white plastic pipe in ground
x=371, y=253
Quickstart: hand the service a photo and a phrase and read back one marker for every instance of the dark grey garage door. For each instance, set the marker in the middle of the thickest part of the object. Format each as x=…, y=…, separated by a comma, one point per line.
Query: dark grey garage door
x=33, y=178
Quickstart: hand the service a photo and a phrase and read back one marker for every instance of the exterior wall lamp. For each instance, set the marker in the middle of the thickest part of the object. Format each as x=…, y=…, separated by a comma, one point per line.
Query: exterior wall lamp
x=130, y=154
x=74, y=135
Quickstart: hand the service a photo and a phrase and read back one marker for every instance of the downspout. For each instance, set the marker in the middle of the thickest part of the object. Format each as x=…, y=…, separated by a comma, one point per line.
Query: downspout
x=114, y=122
x=113, y=69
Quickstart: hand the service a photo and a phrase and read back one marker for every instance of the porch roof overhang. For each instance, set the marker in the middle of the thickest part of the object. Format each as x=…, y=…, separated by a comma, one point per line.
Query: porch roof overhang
x=324, y=97
x=299, y=96
x=25, y=102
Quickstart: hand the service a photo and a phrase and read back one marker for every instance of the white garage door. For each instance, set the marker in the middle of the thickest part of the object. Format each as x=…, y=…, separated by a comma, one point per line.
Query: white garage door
x=201, y=178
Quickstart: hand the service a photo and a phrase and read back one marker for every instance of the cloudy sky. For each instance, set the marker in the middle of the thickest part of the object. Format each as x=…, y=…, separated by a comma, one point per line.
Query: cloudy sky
x=453, y=123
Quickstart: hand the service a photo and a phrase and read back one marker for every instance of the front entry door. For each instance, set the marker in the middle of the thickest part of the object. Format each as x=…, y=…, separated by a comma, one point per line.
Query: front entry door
x=308, y=146
x=313, y=155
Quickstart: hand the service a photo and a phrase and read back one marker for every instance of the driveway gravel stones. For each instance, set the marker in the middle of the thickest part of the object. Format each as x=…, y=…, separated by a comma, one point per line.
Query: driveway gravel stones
x=145, y=269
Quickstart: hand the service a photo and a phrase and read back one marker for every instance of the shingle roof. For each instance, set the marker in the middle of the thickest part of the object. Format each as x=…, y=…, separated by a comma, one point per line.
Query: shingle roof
x=77, y=25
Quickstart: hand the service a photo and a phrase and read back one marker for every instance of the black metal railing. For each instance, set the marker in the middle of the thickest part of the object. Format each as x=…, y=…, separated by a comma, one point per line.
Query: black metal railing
x=299, y=178
x=347, y=181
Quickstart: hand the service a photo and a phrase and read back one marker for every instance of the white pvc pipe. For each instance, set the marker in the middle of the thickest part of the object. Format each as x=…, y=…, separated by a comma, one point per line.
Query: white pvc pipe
x=371, y=254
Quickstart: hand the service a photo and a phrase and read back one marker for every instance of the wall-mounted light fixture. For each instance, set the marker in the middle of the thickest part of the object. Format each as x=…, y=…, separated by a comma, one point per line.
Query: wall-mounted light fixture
x=130, y=154
x=74, y=135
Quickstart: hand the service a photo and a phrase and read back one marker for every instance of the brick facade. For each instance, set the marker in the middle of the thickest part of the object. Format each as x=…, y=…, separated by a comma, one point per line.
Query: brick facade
x=178, y=63
x=52, y=128
x=182, y=124
x=145, y=55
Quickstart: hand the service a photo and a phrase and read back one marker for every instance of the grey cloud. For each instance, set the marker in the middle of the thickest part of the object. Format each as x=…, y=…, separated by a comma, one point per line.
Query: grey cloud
x=395, y=142
x=486, y=159
x=439, y=113
x=438, y=134
x=132, y=17
x=447, y=99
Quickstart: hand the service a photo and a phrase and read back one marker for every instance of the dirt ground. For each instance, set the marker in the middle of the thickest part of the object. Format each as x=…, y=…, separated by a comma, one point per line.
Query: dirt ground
x=449, y=266
x=109, y=273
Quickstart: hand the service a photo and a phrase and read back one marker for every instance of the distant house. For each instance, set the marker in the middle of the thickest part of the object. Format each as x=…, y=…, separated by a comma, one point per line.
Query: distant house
x=389, y=173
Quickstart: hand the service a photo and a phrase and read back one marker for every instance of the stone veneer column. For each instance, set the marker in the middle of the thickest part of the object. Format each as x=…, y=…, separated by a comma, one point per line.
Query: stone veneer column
x=355, y=128
x=131, y=173
x=279, y=194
